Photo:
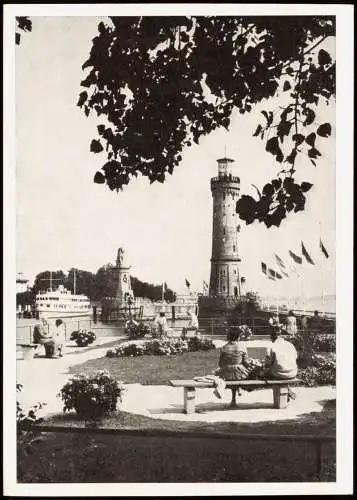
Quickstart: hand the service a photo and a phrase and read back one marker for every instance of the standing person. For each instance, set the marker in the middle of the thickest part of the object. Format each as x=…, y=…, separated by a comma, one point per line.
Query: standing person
x=281, y=360
x=59, y=337
x=314, y=323
x=304, y=323
x=161, y=325
x=192, y=325
x=290, y=324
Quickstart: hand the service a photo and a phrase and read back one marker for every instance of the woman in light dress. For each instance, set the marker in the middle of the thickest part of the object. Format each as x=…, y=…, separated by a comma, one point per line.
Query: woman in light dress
x=59, y=337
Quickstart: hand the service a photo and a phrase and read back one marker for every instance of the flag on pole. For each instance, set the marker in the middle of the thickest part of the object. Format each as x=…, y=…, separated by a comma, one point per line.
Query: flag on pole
x=187, y=283
x=323, y=249
x=295, y=257
x=306, y=255
x=280, y=262
x=271, y=274
x=264, y=268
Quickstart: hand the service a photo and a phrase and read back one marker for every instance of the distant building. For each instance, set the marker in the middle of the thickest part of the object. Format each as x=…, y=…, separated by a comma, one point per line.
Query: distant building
x=21, y=283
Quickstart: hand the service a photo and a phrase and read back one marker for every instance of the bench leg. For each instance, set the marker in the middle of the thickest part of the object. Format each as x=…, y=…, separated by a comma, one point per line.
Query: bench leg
x=233, y=403
x=189, y=399
x=280, y=397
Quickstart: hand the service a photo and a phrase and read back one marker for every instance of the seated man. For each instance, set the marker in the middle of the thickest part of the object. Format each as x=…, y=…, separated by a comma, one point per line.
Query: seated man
x=281, y=360
x=41, y=335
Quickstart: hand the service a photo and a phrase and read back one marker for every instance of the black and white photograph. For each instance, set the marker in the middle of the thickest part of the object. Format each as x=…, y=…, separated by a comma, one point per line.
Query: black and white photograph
x=178, y=217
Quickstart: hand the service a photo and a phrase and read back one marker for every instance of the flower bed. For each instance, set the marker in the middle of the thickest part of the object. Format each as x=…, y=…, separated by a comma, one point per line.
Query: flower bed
x=83, y=337
x=91, y=396
x=324, y=343
x=135, y=329
x=322, y=371
x=160, y=347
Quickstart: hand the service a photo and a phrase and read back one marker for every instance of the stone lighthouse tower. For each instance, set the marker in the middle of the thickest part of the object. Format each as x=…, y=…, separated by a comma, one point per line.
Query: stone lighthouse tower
x=225, y=278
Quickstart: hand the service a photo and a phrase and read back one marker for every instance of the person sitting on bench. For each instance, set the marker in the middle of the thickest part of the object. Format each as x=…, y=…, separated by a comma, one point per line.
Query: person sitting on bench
x=232, y=363
x=281, y=359
x=41, y=335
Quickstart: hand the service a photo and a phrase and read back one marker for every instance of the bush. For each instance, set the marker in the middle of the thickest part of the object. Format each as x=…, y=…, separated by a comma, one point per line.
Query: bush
x=324, y=343
x=161, y=347
x=166, y=347
x=126, y=349
x=83, y=337
x=26, y=438
x=134, y=329
x=322, y=371
x=91, y=396
x=198, y=344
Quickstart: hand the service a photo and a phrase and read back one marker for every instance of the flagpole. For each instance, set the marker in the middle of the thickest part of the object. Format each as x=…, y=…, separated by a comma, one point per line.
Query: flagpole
x=321, y=273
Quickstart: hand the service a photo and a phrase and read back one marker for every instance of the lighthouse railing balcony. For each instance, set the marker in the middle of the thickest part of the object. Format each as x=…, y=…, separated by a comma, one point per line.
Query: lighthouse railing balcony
x=225, y=178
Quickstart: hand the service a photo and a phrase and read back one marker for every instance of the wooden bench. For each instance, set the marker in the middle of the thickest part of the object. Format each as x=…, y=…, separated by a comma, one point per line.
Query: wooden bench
x=280, y=390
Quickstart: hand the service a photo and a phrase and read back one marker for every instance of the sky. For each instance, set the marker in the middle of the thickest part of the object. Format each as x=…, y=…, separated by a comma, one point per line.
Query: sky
x=64, y=220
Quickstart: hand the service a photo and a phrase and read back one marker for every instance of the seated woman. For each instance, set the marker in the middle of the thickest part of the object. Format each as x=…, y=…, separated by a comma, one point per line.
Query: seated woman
x=233, y=357
x=232, y=362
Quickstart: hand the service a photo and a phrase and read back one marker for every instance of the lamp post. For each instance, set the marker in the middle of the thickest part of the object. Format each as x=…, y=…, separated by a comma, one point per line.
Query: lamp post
x=130, y=301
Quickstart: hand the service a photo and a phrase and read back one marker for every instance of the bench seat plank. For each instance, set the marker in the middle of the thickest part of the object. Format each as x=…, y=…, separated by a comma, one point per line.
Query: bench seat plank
x=280, y=390
x=231, y=383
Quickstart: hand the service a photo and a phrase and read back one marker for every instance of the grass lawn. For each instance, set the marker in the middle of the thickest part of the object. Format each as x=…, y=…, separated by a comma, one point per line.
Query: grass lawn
x=82, y=458
x=95, y=458
x=154, y=370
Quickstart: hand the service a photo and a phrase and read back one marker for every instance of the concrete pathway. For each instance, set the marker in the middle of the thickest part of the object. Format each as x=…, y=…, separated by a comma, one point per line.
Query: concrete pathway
x=42, y=379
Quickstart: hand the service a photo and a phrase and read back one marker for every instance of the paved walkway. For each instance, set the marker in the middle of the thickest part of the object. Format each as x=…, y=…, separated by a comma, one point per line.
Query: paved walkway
x=42, y=379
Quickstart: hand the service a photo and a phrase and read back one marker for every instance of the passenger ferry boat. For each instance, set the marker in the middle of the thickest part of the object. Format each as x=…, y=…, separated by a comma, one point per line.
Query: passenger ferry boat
x=61, y=303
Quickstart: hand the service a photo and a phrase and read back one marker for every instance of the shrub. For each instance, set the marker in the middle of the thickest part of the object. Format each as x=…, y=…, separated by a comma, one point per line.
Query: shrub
x=91, y=396
x=166, y=347
x=26, y=438
x=324, y=343
x=198, y=344
x=83, y=337
x=322, y=371
x=160, y=347
x=126, y=349
x=134, y=329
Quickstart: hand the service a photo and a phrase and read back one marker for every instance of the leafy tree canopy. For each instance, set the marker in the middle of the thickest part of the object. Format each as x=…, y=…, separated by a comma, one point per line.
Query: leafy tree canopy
x=96, y=286
x=157, y=84
x=22, y=24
